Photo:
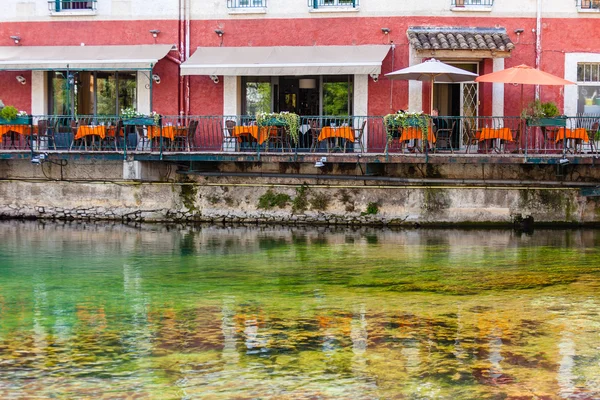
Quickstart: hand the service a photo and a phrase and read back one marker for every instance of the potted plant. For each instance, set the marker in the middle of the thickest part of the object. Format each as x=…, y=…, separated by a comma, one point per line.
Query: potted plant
x=132, y=117
x=287, y=119
x=9, y=115
x=402, y=119
x=543, y=114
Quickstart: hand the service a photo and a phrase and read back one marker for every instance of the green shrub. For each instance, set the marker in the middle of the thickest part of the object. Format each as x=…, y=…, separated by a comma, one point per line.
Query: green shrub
x=372, y=209
x=9, y=113
x=271, y=199
x=320, y=201
x=550, y=109
x=300, y=202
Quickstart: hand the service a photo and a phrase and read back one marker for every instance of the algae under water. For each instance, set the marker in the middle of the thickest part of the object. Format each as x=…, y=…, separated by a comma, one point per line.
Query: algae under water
x=219, y=312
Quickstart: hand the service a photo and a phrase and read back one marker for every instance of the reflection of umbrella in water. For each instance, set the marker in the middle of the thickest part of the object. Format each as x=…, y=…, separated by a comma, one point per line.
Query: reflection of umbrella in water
x=524, y=75
x=434, y=71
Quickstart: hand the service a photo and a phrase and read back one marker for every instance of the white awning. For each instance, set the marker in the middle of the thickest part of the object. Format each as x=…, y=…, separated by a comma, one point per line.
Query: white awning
x=19, y=58
x=286, y=60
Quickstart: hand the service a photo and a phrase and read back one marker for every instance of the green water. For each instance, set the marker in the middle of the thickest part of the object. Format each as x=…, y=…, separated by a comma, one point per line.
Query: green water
x=156, y=312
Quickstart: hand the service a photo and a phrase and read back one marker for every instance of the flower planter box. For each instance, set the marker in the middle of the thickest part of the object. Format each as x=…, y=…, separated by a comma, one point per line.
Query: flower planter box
x=558, y=121
x=408, y=122
x=23, y=120
x=274, y=122
x=139, y=121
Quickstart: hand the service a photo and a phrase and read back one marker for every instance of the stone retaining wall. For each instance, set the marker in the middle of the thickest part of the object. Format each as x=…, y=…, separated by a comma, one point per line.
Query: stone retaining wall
x=231, y=200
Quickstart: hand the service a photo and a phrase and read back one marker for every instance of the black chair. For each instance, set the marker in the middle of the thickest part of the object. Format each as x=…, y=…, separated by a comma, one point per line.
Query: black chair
x=114, y=138
x=45, y=131
x=443, y=135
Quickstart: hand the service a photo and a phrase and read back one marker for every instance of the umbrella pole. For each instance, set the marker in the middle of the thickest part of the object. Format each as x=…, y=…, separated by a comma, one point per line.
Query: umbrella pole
x=523, y=125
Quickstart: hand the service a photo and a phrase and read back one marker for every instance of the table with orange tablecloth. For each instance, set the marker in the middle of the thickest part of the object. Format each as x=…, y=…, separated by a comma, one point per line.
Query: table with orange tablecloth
x=261, y=135
x=344, y=132
x=415, y=133
x=168, y=131
x=87, y=130
x=494, y=133
x=20, y=129
x=577, y=133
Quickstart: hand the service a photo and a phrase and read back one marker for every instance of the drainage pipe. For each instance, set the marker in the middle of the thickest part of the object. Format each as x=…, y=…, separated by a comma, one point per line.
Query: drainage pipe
x=187, y=55
x=538, y=43
x=418, y=181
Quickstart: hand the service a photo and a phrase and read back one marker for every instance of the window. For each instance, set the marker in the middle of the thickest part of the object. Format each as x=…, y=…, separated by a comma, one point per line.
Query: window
x=337, y=95
x=71, y=5
x=588, y=88
x=472, y=3
x=246, y=3
x=588, y=5
x=332, y=3
x=91, y=93
x=257, y=95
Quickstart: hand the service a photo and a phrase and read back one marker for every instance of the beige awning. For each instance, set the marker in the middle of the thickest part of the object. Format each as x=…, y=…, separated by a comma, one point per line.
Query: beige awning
x=286, y=60
x=19, y=58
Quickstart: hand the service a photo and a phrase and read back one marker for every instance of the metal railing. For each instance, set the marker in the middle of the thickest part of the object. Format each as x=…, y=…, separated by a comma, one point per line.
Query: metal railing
x=472, y=3
x=235, y=134
x=588, y=4
x=333, y=3
x=246, y=3
x=70, y=5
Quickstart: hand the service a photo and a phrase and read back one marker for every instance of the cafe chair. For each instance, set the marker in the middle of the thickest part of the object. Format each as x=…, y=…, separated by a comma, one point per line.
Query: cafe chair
x=313, y=134
x=358, y=136
x=113, y=136
x=185, y=136
x=230, y=141
x=45, y=133
x=443, y=138
x=75, y=142
x=470, y=134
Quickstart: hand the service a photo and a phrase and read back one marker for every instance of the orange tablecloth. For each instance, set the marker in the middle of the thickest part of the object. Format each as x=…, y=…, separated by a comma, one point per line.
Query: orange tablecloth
x=168, y=132
x=577, y=133
x=21, y=129
x=261, y=135
x=491, y=133
x=344, y=132
x=412, y=132
x=86, y=130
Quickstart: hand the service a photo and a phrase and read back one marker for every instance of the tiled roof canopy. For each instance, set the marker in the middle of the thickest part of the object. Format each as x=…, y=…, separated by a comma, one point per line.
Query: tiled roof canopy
x=456, y=38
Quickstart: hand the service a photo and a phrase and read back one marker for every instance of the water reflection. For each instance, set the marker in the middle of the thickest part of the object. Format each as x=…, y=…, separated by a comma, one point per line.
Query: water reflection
x=265, y=312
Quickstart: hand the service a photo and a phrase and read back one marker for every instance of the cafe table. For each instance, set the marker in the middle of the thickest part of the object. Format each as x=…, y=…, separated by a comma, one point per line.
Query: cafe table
x=261, y=134
x=494, y=133
x=16, y=129
x=577, y=133
x=415, y=133
x=90, y=130
x=168, y=131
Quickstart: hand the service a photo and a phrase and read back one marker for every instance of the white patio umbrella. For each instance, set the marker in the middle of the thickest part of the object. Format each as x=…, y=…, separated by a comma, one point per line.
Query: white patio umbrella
x=435, y=71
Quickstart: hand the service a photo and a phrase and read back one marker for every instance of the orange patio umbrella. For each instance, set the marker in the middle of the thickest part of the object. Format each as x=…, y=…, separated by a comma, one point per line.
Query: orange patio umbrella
x=524, y=75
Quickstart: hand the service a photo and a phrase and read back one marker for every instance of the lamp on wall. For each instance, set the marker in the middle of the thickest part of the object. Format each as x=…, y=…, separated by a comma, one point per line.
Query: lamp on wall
x=219, y=32
x=214, y=78
x=21, y=79
x=154, y=33
x=156, y=78
x=307, y=83
x=17, y=39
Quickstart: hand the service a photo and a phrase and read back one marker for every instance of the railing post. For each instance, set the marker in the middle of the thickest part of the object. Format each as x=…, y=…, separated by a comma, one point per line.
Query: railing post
x=315, y=3
x=57, y=5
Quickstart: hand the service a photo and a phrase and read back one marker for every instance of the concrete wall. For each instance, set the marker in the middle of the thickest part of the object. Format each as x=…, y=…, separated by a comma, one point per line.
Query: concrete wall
x=303, y=201
x=19, y=10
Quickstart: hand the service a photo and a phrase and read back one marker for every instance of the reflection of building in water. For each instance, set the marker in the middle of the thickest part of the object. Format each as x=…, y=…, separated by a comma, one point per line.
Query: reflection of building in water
x=230, y=355
x=566, y=377
x=140, y=337
x=495, y=356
